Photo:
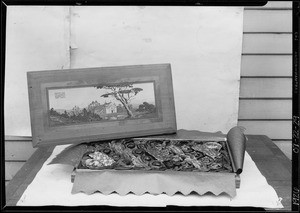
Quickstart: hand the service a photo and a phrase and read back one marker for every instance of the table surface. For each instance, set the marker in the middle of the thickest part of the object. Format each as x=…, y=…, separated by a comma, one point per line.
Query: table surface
x=270, y=160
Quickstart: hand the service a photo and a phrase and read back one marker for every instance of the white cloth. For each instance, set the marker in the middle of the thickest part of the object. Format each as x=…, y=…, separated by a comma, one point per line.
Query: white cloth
x=52, y=186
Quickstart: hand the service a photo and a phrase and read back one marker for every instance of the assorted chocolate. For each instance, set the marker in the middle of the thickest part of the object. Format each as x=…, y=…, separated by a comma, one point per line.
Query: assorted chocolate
x=158, y=154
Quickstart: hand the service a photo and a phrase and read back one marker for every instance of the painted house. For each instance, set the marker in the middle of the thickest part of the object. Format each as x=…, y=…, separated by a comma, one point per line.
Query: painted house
x=110, y=108
x=102, y=109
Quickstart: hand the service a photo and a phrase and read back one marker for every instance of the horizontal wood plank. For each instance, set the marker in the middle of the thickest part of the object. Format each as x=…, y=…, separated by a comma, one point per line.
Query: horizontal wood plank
x=267, y=44
x=266, y=87
x=265, y=109
x=266, y=65
x=18, y=150
x=272, y=129
x=268, y=21
x=11, y=168
x=273, y=5
x=285, y=147
x=17, y=138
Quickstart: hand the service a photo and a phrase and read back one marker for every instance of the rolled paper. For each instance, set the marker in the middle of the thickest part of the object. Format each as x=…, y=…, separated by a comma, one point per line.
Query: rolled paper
x=237, y=145
x=71, y=155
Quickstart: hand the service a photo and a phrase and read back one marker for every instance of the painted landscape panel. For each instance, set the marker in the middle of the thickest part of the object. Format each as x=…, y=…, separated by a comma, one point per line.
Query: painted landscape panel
x=101, y=103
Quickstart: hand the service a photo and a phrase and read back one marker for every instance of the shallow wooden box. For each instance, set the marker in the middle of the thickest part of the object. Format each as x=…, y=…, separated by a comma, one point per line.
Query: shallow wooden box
x=80, y=168
x=96, y=104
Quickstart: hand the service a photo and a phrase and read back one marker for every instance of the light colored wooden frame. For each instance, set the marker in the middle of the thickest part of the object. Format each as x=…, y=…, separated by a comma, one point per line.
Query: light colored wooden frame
x=40, y=81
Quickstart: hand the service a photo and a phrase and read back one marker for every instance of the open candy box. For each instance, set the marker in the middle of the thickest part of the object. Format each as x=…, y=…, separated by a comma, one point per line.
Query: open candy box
x=122, y=124
x=158, y=154
x=203, y=162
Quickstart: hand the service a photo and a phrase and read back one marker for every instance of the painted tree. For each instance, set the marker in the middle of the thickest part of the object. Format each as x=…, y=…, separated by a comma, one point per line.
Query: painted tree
x=53, y=112
x=123, y=92
x=146, y=107
x=65, y=114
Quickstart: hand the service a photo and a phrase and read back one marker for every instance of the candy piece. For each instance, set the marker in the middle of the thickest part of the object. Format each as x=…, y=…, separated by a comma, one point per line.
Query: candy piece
x=106, y=151
x=198, y=164
x=206, y=150
x=138, y=151
x=215, y=166
x=137, y=161
x=100, y=159
x=213, y=145
x=157, y=165
x=161, y=155
x=88, y=162
x=206, y=160
x=186, y=148
x=147, y=158
x=116, y=157
x=130, y=145
x=169, y=164
x=176, y=150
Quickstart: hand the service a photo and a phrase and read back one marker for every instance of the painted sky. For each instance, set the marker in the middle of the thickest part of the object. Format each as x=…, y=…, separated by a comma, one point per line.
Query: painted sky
x=82, y=96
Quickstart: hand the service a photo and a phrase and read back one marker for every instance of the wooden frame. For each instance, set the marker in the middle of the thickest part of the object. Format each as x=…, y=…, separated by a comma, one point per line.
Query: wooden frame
x=50, y=127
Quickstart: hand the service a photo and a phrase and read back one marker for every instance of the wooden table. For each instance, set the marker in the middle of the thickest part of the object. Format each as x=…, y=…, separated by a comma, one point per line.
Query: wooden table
x=270, y=160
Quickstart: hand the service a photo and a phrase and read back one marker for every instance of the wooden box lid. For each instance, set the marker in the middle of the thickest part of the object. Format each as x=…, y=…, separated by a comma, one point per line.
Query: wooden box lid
x=94, y=104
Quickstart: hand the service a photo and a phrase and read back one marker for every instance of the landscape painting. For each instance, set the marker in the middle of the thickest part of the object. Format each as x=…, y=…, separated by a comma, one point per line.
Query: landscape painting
x=100, y=103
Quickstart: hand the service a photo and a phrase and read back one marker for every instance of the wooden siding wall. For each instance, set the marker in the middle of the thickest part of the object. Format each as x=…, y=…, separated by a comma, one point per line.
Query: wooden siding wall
x=17, y=151
x=266, y=73
x=265, y=93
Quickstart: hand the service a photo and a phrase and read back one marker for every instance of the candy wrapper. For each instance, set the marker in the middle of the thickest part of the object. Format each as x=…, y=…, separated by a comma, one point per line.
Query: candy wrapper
x=189, y=161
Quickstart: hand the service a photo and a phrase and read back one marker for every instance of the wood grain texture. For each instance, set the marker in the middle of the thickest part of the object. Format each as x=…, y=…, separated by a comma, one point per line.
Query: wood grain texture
x=18, y=150
x=273, y=129
x=266, y=87
x=268, y=21
x=267, y=44
x=265, y=109
x=266, y=65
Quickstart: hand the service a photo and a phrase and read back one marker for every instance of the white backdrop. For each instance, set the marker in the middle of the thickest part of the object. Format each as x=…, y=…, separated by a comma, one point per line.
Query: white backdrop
x=37, y=38
x=202, y=44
